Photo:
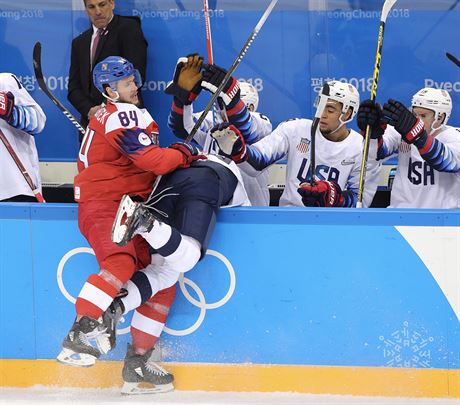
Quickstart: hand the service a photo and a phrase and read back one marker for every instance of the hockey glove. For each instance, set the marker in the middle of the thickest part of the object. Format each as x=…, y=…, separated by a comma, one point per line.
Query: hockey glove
x=322, y=194
x=190, y=152
x=230, y=141
x=370, y=113
x=6, y=105
x=213, y=76
x=407, y=124
x=186, y=83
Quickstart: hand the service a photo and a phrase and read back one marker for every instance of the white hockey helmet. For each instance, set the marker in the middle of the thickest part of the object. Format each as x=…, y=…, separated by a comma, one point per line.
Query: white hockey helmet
x=344, y=93
x=249, y=94
x=437, y=100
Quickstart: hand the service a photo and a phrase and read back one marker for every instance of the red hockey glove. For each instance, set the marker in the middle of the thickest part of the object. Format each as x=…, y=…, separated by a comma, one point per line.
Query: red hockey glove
x=230, y=141
x=322, y=194
x=407, y=124
x=190, y=152
x=6, y=105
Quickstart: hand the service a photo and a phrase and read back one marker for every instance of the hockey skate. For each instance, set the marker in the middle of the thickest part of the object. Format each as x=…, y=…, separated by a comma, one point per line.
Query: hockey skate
x=132, y=218
x=110, y=319
x=85, y=342
x=141, y=369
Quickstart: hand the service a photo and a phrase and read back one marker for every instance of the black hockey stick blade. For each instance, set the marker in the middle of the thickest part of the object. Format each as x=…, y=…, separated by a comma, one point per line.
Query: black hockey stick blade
x=453, y=58
x=37, y=62
x=322, y=101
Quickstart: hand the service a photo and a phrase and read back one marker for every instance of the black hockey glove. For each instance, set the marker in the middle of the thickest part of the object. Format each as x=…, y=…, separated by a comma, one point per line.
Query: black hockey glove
x=6, y=105
x=407, y=124
x=186, y=83
x=230, y=141
x=213, y=76
x=370, y=113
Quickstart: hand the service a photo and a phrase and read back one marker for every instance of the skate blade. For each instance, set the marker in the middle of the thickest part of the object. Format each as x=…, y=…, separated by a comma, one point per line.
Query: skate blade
x=133, y=388
x=125, y=210
x=71, y=358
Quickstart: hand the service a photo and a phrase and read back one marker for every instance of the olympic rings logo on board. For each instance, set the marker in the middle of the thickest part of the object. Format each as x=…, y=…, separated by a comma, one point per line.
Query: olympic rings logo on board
x=183, y=282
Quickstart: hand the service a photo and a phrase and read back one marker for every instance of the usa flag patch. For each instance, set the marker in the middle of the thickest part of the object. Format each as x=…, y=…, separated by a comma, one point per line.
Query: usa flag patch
x=304, y=145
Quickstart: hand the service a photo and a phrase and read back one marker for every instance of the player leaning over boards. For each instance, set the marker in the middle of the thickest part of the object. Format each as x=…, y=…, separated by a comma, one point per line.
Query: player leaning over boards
x=240, y=110
x=177, y=220
x=119, y=154
x=338, y=154
x=428, y=174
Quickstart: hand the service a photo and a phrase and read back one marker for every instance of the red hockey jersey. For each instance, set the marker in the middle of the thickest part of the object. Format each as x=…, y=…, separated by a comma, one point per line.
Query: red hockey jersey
x=120, y=155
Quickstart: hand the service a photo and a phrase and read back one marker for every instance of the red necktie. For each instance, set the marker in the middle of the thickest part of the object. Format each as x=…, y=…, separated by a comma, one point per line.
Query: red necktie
x=95, y=43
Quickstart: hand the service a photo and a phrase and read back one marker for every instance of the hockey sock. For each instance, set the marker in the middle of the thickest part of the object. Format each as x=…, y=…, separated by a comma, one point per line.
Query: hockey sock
x=180, y=251
x=100, y=289
x=149, y=320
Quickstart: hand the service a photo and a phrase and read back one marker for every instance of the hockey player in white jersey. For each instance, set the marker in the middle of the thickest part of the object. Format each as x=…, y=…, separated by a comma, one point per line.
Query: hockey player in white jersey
x=20, y=119
x=428, y=171
x=338, y=154
x=253, y=125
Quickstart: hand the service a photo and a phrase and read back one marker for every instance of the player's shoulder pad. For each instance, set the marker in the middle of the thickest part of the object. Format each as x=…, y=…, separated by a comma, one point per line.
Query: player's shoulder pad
x=356, y=138
x=259, y=116
x=9, y=82
x=294, y=123
x=450, y=134
x=127, y=116
x=291, y=120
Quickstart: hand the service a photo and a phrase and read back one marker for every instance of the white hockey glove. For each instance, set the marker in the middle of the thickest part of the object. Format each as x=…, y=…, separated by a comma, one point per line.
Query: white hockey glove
x=230, y=141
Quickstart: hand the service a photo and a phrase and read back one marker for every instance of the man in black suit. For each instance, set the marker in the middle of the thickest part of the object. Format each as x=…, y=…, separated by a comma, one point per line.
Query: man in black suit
x=110, y=35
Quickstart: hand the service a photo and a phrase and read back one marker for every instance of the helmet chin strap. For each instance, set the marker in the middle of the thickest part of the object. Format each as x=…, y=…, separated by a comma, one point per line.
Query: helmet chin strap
x=117, y=95
x=342, y=123
x=114, y=100
x=433, y=129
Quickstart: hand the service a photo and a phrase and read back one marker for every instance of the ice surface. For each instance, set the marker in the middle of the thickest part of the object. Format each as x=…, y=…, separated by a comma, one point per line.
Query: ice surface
x=53, y=396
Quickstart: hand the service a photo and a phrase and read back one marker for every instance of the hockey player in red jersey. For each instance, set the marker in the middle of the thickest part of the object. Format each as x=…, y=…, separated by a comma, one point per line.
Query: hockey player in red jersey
x=119, y=155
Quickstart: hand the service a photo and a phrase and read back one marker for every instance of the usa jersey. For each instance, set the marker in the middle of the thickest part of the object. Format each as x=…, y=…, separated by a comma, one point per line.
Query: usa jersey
x=335, y=161
x=30, y=120
x=256, y=187
x=431, y=181
x=120, y=154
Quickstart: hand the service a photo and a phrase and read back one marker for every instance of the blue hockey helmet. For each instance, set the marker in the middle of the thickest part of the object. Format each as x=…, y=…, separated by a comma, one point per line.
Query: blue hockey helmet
x=113, y=69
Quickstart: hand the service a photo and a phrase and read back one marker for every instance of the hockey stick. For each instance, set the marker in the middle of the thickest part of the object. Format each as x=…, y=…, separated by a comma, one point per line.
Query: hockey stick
x=385, y=10
x=207, y=23
x=453, y=58
x=37, y=60
x=319, y=112
x=235, y=64
x=21, y=168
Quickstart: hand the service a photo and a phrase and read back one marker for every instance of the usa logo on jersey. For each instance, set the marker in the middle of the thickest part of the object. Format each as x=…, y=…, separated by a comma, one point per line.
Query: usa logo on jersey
x=304, y=145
